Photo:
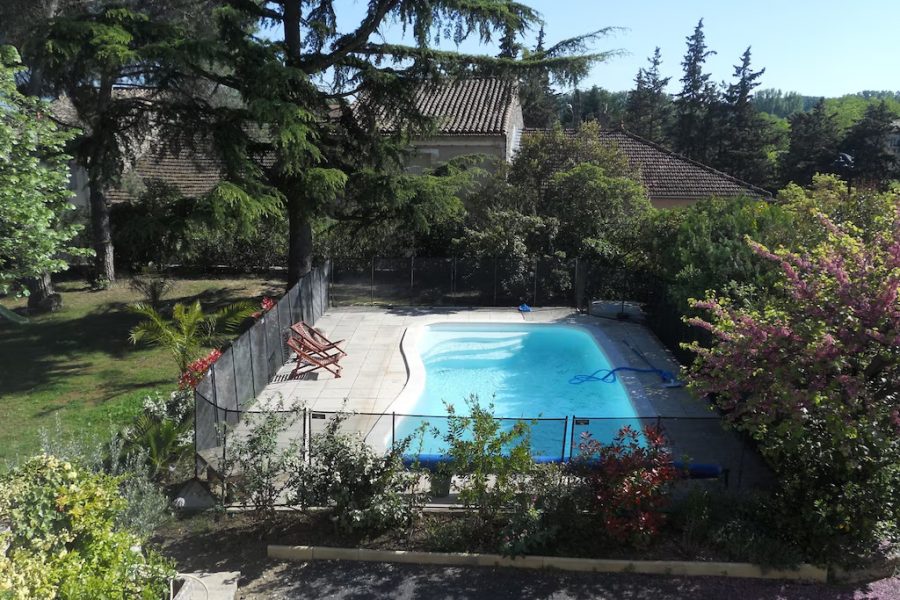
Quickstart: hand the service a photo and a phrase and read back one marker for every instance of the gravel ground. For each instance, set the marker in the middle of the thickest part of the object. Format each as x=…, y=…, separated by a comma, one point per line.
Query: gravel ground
x=357, y=580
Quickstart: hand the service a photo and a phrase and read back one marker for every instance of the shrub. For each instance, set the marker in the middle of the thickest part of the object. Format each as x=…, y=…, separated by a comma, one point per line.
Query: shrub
x=548, y=515
x=260, y=458
x=196, y=370
x=367, y=491
x=490, y=463
x=146, y=506
x=735, y=528
x=163, y=433
x=61, y=538
x=628, y=480
x=152, y=286
x=811, y=372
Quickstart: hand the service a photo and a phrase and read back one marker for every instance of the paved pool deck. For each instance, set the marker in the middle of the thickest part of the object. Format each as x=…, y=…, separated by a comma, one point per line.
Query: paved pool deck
x=375, y=374
x=375, y=370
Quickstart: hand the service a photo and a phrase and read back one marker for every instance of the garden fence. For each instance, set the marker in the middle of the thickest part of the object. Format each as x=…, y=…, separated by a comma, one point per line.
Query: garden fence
x=690, y=440
x=250, y=363
x=480, y=282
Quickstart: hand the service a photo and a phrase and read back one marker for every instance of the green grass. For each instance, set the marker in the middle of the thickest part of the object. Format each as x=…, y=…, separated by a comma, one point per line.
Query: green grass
x=78, y=367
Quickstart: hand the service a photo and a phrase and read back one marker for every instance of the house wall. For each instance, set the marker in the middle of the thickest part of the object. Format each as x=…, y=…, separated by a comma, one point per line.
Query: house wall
x=434, y=151
x=78, y=183
x=514, y=127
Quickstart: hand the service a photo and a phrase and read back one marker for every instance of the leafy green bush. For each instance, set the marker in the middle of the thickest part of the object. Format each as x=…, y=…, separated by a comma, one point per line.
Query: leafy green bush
x=146, y=506
x=60, y=537
x=162, y=227
x=737, y=528
x=368, y=492
x=261, y=457
x=548, y=517
x=489, y=462
x=811, y=372
x=164, y=432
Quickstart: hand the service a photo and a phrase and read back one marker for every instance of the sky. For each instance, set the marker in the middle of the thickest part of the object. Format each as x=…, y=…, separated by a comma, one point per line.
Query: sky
x=815, y=47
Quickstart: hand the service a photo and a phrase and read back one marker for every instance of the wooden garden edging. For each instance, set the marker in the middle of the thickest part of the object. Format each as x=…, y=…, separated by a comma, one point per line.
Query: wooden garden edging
x=804, y=572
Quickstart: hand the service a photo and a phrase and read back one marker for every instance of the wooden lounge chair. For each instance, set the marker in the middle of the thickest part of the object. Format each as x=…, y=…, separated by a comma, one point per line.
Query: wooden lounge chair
x=315, y=341
x=308, y=360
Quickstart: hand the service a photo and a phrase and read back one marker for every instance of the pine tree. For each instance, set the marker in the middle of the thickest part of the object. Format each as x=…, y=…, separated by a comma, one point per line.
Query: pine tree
x=326, y=113
x=648, y=108
x=86, y=50
x=539, y=105
x=695, y=103
x=813, y=147
x=743, y=136
x=867, y=142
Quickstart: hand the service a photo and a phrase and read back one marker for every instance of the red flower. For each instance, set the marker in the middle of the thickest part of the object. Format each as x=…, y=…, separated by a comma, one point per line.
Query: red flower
x=196, y=370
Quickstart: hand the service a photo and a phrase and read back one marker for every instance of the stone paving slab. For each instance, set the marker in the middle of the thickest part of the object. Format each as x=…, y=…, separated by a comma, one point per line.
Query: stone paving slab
x=375, y=373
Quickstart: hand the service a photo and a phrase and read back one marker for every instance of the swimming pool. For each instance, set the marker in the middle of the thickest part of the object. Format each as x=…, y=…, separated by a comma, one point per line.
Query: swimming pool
x=524, y=369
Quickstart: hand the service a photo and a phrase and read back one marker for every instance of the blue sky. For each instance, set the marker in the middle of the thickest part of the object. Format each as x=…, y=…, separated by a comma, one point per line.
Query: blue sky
x=816, y=47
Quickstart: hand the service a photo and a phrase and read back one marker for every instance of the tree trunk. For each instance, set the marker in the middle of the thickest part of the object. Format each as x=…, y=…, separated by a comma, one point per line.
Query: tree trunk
x=299, y=225
x=300, y=242
x=104, y=267
x=41, y=297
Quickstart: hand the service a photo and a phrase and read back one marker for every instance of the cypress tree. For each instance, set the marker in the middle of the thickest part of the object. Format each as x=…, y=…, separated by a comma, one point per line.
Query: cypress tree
x=539, y=105
x=867, y=142
x=743, y=136
x=694, y=104
x=813, y=146
x=648, y=108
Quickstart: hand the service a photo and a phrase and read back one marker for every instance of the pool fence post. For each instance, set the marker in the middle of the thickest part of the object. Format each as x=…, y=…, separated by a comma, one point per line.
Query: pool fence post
x=495, y=281
x=372, y=280
x=250, y=346
x=534, y=297
x=572, y=438
x=564, y=436
x=453, y=275
x=412, y=270
x=741, y=464
x=307, y=435
x=577, y=294
x=196, y=465
x=393, y=429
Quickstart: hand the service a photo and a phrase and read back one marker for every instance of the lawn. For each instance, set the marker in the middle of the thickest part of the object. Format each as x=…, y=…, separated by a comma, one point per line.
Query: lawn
x=77, y=367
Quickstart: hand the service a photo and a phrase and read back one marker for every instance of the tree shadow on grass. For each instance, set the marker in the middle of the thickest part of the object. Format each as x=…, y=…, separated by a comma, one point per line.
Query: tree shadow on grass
x=49, y=350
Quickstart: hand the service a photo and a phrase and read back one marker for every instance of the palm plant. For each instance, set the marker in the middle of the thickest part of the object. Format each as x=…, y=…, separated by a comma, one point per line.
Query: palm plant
x=161, y=441
x=190, y=329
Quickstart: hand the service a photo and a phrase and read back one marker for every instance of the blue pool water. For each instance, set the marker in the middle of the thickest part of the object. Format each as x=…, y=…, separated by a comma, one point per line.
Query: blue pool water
x=524, y=369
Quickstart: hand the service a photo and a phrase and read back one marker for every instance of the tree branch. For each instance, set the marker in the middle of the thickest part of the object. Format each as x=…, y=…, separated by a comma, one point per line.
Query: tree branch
x=351, y=42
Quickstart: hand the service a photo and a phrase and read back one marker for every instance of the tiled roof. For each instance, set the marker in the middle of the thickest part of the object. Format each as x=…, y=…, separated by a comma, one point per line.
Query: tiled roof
x=191, y=172
x=467, y=106
x=667, y=175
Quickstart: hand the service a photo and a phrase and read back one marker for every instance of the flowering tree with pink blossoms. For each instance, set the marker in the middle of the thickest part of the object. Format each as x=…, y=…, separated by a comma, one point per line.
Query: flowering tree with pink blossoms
x=812, y=372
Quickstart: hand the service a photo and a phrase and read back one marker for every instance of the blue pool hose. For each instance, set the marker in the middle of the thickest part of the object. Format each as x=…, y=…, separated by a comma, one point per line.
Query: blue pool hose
x=609, y=375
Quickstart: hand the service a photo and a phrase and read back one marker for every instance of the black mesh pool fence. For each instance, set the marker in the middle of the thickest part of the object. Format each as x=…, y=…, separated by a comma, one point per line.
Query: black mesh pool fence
x=700, y=444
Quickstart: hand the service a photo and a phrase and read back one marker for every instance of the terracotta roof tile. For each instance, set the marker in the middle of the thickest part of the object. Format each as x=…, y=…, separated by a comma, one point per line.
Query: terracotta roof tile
x=667, y=175
x=467, y=106
x=193, y=173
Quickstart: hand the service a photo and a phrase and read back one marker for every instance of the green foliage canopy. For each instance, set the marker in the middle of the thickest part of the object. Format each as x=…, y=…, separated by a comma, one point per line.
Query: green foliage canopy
x=811, y=371
x=34, y=192
x=61, y=538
